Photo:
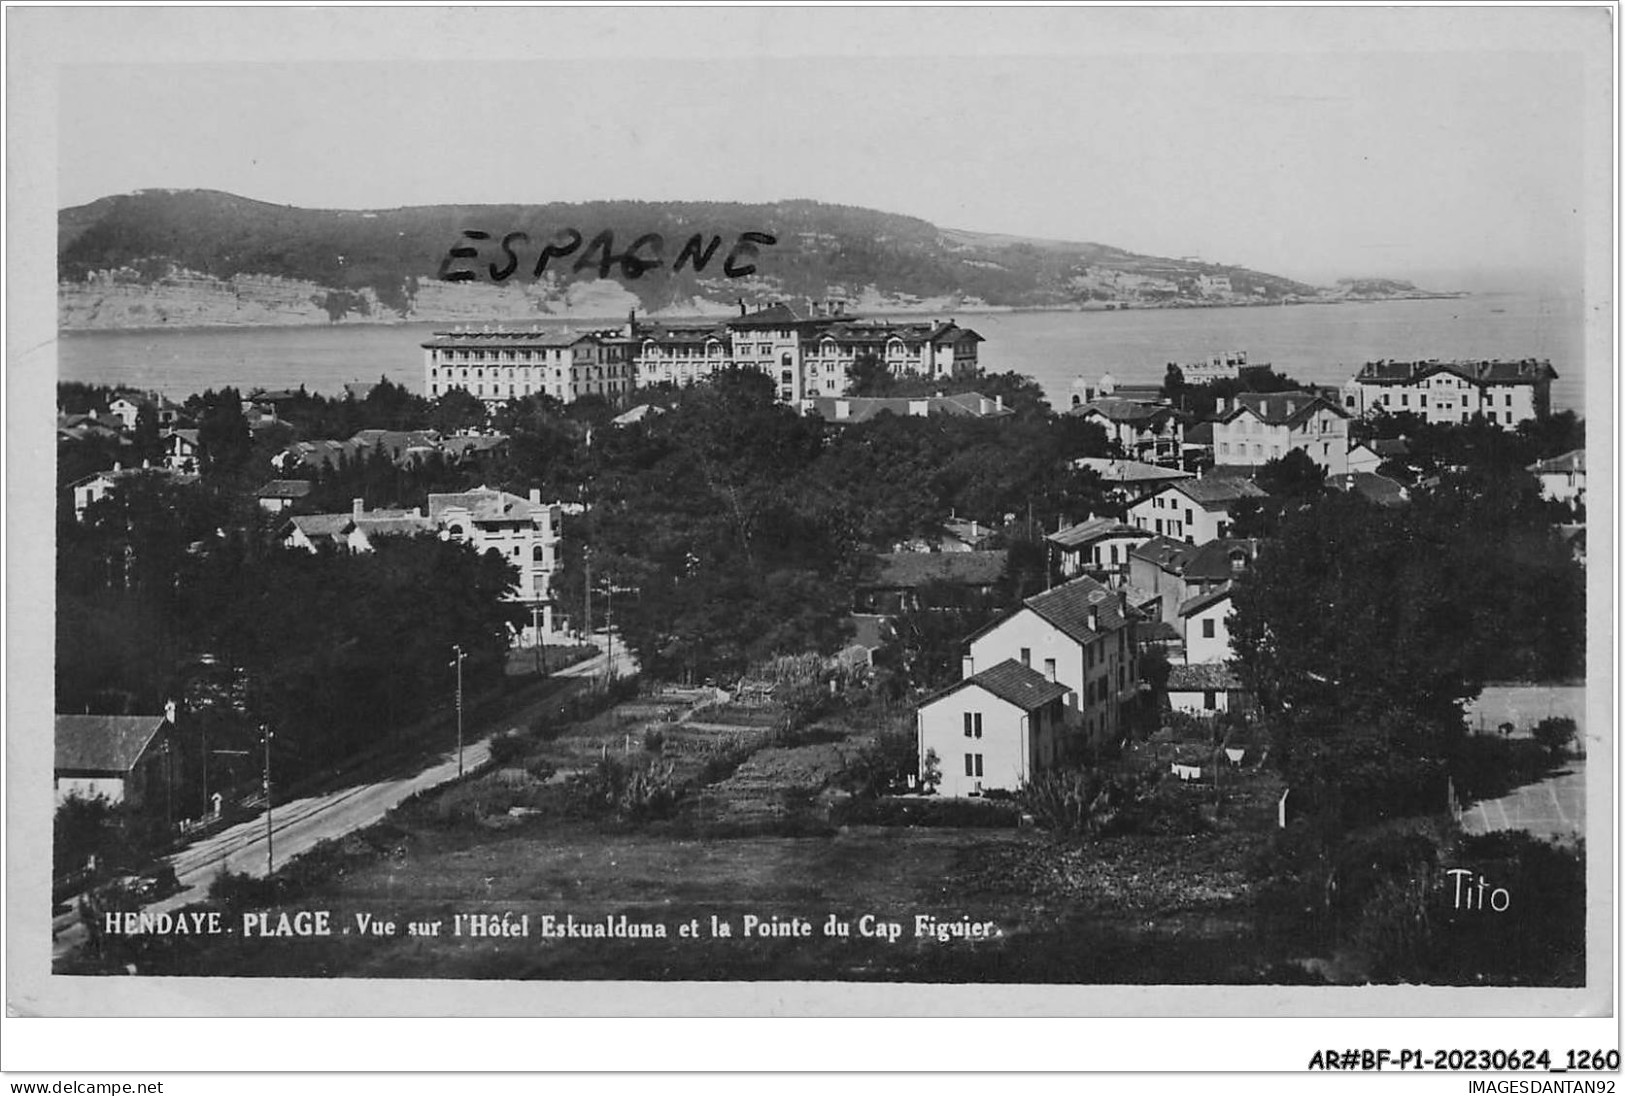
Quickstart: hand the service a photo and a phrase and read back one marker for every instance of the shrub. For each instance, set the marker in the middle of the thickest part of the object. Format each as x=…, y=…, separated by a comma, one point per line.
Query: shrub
x=1488, y=766
x=883, y=766
x=1084, y=802
x=234, y=892
x=1555, y=733
x=508, y=749
x=654, y=740
x=933, y=811
x=616, y=788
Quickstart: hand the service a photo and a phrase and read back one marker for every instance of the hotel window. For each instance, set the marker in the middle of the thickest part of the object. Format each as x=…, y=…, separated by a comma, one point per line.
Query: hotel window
x=1210, y=699
x=1026, y=656
x=1207, y=629
x=973, y=724
x=1049, y=668
x=973, y=764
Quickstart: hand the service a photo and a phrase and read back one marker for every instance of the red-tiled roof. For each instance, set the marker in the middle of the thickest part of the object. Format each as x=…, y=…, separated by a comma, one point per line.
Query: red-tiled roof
x=1119, y=410
x=1068, y=608
x=1572, y=461
x=1217, y=492
x=1525, y=371
x=1277, y=408
x=284, y=489
x=1088, y=532
x=1010, y=681
x=103, y=743
x=908, y=570
x=1203, y=601
x=1202, y=676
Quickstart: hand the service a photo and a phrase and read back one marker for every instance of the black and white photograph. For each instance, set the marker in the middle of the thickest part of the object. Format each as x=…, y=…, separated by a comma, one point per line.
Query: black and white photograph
x=1038, y=501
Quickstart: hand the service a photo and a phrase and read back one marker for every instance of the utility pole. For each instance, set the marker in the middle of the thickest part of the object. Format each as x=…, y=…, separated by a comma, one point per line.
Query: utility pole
x=609, y=632
x=458, y=649
x=265, y=735
x=586, y=563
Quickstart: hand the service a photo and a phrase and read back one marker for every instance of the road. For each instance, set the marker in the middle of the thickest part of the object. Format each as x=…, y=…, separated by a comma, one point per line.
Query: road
x=298, y=825
x=1553, y=808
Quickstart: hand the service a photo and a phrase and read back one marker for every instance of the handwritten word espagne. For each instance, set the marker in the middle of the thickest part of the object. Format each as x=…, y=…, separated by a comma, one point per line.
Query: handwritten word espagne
x=644, y=254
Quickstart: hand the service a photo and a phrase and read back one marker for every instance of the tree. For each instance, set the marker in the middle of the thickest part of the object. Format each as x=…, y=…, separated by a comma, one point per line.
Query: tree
x=224, y=441
x=458, y=409
x=1555, y=733
x=869, y=376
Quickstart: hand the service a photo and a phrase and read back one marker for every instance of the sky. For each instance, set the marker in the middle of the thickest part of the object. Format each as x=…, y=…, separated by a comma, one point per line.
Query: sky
x=1429, y=144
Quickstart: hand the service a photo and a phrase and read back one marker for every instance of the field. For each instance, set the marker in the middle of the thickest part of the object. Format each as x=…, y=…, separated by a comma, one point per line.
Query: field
x=755, y=835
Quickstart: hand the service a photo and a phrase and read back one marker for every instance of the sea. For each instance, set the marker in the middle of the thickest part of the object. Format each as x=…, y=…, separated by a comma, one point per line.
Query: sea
x=1315, y=343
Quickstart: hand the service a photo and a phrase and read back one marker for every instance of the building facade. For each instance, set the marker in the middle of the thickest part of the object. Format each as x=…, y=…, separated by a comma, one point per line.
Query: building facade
x=1504, y=392
x=1260, y=427
x=1192, y=510
x=808, y=352
x=993, y=731
x=499, y=365
x=524, y=532
x=1080, y=636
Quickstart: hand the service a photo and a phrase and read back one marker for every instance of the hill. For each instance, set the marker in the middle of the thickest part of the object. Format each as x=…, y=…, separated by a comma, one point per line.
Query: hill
x=194, y=256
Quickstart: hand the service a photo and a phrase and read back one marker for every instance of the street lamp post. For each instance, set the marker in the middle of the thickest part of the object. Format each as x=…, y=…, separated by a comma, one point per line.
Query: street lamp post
x=458, y=662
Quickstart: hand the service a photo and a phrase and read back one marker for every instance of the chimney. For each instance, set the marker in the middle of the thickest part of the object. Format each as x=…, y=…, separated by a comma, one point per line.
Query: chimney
x=1094, y=619
x=117, y=467
x=536, y=496
x=1224, y=406
x=1289, y=407
x=169, y=712
x=356, y=508
x=998, y=402
x=967, y=667
x=146, y=464
x=742, y=306
x=986, y=406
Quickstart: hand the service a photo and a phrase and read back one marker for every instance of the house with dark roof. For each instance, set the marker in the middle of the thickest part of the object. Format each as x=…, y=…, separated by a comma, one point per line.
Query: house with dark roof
x=993, y=731
x=1204, y=625
x=1372, y=487
x=1205, y=688
x=1098, y=547
x=279, y=495
x=1080, y=635
x=1504, y=392
x=1193, y=510
x=126, y=758
x=1130, y=480
x=126, y=408
x=842, y=410
x=1562, y=479
x=182, y=451
x=98, y=485
x=356, y=531
x=1149, y=432
x=1257, y=427
x=1370, y=456
x=929, y=580
x=1174, y=573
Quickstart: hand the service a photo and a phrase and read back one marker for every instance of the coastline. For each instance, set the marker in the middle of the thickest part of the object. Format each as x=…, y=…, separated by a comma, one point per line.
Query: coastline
x=700, y=317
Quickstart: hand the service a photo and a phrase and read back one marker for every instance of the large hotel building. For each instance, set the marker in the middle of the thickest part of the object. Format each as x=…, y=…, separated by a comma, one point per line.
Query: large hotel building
x=808, y=353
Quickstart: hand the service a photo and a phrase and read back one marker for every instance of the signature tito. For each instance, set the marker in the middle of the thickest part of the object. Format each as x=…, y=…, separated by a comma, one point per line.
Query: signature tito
x=1477, y=894
x=645, y=253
